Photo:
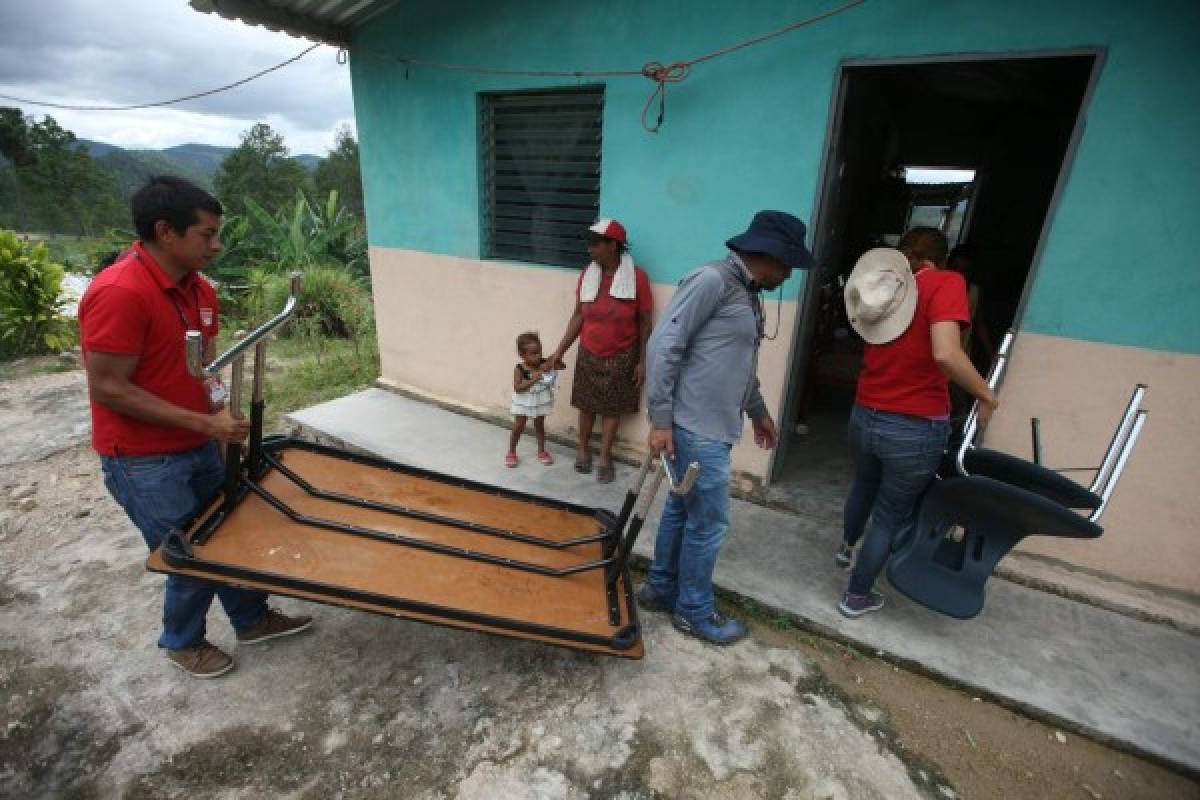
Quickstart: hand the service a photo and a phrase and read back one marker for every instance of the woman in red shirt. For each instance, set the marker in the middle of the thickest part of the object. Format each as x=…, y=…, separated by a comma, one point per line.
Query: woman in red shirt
x=613, y=317
x=911, y=312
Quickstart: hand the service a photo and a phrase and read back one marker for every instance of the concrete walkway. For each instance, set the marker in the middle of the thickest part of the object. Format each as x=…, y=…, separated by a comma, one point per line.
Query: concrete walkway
x=1118, y=679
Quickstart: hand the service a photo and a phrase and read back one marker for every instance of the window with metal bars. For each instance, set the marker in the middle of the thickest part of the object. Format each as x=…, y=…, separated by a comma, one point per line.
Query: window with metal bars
x=540, y=172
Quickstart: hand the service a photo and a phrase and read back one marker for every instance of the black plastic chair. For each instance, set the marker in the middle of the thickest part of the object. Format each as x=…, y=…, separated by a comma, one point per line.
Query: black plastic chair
x=949, y=575
x=997, y=499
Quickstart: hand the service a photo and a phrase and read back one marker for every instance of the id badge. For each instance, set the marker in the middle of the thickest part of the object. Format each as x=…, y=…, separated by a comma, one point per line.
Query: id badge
x=217, y=393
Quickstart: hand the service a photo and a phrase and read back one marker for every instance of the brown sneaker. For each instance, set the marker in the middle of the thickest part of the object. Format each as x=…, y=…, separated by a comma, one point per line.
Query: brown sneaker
x=202, y=661
x=273, y=626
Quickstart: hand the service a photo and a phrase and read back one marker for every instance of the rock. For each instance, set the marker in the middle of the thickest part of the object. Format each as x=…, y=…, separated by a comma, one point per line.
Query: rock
x=68, y=357
x=27, y=504
x=1060, y=737
x=21, y=492
x=80, y=513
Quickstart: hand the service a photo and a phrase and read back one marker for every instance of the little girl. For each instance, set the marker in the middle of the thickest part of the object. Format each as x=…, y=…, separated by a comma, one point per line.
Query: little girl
x=533, y=396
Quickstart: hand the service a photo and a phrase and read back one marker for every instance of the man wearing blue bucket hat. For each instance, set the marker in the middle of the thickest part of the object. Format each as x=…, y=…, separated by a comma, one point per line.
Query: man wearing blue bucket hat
x=701, y=376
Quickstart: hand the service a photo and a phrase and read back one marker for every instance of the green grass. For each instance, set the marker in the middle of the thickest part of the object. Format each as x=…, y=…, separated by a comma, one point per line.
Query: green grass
x=307, y=371
x=303, y=381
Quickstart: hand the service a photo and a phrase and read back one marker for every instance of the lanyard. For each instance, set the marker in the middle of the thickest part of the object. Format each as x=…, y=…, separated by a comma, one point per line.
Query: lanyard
x=187, y=325
x=756, y=302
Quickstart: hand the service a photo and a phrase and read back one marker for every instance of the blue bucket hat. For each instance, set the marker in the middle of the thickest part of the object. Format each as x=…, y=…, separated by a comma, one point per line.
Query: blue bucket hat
x=776, y=234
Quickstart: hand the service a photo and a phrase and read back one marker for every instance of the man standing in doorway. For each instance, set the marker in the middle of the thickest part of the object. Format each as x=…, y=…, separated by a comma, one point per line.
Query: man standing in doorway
x=701, y=377
x=155, y=426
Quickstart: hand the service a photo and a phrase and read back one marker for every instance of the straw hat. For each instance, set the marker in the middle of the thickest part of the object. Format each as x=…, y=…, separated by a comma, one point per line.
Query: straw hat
x=881, y=295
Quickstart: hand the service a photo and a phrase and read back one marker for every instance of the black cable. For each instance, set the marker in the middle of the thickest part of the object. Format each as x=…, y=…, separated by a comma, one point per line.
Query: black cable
x=160, y=103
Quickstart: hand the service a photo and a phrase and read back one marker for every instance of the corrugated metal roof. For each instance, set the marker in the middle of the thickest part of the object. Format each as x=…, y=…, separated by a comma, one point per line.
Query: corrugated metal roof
x=329, y=21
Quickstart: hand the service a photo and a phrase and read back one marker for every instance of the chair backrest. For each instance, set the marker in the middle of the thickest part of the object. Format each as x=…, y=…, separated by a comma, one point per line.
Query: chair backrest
x=950, y=576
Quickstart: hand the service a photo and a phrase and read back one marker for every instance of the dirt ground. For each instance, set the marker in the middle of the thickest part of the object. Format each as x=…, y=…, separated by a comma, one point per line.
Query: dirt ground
x=367, y=706
x=983, y=749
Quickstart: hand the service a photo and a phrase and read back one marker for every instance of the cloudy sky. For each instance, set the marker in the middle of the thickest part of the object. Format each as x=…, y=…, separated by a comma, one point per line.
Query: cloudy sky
x=120, y=52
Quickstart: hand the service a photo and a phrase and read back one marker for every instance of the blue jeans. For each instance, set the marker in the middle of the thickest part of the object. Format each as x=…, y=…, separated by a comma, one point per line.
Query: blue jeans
x=692, y=527
x=159, y=493
x=895, y=457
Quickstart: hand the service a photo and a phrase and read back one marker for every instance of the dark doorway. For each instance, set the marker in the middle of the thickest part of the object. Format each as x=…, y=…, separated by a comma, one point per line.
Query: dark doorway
x=975, y=147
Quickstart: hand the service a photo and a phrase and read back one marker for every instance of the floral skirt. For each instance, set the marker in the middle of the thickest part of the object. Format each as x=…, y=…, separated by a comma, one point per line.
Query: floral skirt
x=604, y=385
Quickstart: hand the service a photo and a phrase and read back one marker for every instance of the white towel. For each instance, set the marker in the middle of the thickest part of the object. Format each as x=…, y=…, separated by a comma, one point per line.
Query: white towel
x=624, y=282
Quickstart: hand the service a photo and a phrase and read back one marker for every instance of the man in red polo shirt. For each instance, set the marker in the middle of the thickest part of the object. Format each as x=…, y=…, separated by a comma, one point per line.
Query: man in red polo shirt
x=157, y=427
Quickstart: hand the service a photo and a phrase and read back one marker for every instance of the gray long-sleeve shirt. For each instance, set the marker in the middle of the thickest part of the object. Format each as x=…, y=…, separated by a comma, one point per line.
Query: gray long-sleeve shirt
x=702, y=359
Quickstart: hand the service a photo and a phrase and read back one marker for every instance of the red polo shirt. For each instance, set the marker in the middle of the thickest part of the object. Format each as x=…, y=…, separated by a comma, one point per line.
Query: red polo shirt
x=132, y=308
x=901, y=375
x=610, y=325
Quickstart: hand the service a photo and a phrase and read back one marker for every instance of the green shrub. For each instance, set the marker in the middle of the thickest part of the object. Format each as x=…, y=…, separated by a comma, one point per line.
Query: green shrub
x=332, y=303
x=30, y=294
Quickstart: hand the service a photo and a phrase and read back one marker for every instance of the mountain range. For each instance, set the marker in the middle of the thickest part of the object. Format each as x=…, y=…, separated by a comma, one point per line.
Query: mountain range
x=196, y=162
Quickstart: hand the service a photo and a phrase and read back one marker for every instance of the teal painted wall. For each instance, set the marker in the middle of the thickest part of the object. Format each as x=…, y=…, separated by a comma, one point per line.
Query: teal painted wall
x=747, y=131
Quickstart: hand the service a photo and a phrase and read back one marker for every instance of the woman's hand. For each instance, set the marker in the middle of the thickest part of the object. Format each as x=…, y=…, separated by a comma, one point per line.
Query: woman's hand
x=985, y=409
x=639, y=375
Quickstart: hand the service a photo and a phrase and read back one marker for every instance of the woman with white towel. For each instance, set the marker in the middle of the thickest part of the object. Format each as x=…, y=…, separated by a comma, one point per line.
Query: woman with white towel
x=612, y=319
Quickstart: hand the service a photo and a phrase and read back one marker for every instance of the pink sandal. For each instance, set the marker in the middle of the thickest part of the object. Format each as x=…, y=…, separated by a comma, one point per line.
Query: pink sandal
x=545, y=457
x=510, y=460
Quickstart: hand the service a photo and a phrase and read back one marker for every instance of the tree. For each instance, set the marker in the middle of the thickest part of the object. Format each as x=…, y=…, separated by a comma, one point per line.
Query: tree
x=259, y=168
x=68, y=190
x=15, y=146
x=339, y=172
x=56, y=185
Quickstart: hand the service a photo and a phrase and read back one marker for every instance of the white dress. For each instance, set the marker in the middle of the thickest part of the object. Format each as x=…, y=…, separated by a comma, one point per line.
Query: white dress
x=537, y=400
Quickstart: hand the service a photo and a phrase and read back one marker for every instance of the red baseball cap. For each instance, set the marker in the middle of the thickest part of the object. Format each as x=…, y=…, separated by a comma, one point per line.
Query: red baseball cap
x=610, y=228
